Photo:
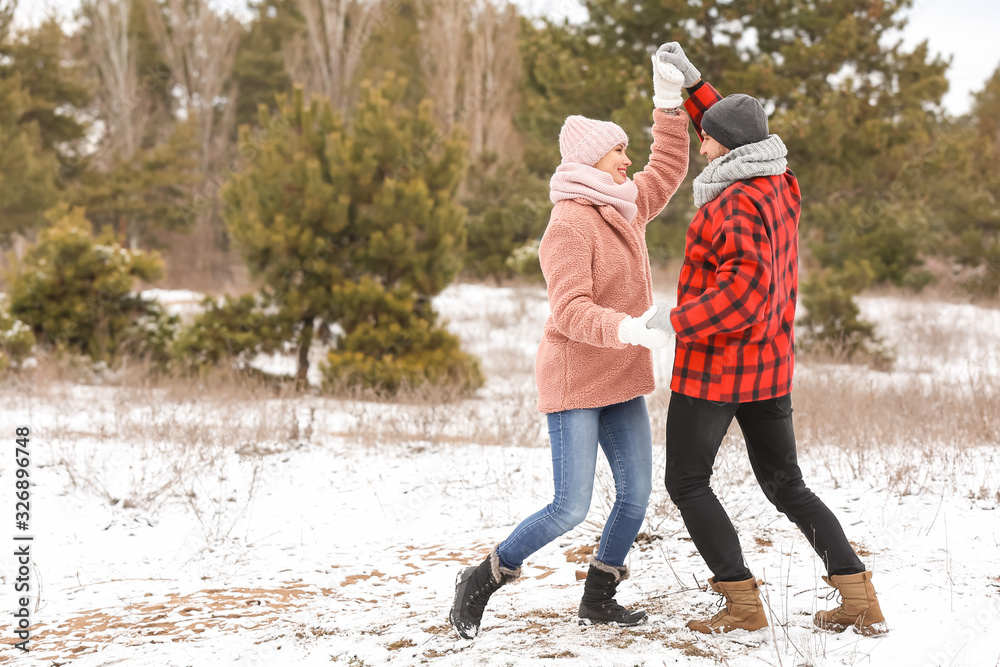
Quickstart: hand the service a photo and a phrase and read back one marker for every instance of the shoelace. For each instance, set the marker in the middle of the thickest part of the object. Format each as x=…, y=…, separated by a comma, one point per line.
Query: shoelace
x=480, y=597
x=612, y=605
x=720, y=604
x=477, y=605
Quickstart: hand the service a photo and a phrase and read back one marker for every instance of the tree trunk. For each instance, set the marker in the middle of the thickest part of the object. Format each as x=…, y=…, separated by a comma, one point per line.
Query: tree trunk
x=113, y=54
x=444, y=27
x=305, y=341
x=123, y=230
x=491, y=81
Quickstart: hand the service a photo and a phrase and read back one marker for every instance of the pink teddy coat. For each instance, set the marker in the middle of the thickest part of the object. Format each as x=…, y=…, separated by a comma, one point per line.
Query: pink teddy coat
x=596, y=267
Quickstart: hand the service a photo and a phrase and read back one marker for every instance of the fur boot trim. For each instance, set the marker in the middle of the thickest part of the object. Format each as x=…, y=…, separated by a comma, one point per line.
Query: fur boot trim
x=501, y=574
x=620, y=573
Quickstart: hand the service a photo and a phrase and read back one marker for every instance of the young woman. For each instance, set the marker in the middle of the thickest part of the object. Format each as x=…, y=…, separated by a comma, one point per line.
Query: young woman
x=594, y=366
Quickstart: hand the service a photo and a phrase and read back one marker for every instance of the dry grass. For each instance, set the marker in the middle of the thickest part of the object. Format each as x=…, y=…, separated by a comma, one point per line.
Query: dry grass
x=507, y=420
x=860, y=415
x=908, y=438
x=901, y=436
x=402, y=643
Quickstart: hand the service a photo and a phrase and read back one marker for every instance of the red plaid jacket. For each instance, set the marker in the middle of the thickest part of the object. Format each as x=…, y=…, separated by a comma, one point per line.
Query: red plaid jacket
x=737, y=289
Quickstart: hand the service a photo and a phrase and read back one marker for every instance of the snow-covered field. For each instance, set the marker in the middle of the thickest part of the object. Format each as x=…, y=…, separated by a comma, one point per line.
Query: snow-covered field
x=182, y=526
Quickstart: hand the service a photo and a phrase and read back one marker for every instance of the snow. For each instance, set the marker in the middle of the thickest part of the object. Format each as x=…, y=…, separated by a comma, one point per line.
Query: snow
x=921, y=331
x=184, y=303
x=176, y=526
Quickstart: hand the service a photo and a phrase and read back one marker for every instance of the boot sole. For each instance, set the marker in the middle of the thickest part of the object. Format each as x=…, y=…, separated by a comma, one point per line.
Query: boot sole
x=724, y=629
x=591, y=621
x=872, y=630
x=462, y=632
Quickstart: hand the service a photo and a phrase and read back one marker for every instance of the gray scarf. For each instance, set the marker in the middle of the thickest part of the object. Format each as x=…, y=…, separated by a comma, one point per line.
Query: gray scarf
x=761, y=158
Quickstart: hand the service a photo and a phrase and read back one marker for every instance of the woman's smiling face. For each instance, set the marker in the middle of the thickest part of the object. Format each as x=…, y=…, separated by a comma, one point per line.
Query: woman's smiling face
x=615, y=163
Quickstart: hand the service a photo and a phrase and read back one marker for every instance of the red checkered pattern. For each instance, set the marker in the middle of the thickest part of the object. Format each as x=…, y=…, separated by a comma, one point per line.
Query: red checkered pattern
x=737, y=289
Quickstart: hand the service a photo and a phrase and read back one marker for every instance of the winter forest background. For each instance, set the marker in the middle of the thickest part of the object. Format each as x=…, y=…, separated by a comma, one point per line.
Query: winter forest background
x=295, y=247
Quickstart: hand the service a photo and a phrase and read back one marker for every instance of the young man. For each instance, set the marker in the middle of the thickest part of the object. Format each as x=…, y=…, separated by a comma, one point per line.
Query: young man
x=735, y=355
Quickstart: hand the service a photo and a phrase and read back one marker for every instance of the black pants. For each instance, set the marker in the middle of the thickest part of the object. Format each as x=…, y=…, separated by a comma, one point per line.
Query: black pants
x=695, y=430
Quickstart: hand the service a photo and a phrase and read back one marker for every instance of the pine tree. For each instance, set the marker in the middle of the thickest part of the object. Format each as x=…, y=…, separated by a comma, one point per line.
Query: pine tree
x=76, y=293
x=508, y=208
x=391, y=43
x=358, y=228
x=56, y=83
x=16, y=339
x=259, y=70
x=147, y=193
x=987, y=114
x=962, y=204
x=27, y=171
x=232, y=329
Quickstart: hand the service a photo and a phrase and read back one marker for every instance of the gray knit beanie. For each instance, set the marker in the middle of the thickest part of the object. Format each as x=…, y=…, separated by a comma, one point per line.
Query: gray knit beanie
x=736, y=120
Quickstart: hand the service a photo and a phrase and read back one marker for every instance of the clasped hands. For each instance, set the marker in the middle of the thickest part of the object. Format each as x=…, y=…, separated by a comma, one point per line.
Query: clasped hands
x=652, y=329
x=671, y=71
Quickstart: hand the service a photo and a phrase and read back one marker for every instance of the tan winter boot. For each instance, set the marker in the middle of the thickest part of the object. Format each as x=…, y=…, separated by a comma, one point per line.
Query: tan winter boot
x=858, y=607
x=744, y=610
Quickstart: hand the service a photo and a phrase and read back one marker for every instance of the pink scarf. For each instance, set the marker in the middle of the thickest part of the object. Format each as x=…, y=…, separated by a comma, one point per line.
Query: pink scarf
x=573, y=180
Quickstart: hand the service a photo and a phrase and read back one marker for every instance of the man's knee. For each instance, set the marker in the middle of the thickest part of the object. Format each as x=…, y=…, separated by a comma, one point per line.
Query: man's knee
x=789, y=497
x=684, y=488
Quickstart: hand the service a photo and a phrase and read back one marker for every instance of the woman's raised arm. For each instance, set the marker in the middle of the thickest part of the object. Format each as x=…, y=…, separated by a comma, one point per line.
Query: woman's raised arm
x=667, y=167
x=668, y=159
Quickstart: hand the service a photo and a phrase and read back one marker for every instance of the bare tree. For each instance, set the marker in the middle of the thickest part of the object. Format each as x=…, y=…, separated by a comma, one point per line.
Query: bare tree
x=471, y=65
x=7, y=8
x=490, y=86
x=444, y=29
x=199, y=46
x=113, y=57
x=325, y=57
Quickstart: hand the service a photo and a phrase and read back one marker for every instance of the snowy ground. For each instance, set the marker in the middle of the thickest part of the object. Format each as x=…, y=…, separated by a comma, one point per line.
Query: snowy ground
x=174, y=527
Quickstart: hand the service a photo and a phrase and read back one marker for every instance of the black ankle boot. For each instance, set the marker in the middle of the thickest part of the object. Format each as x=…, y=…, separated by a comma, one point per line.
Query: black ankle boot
x=473, y=589
x=598, y=604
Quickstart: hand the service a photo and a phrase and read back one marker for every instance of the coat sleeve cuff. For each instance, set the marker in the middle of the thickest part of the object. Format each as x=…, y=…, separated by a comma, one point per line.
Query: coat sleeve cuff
x=616, y=325
x=675, y=321
x=694, y=89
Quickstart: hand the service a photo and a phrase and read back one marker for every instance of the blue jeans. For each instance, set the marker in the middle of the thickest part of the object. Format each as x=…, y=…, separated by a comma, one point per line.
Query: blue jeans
x=622, y=430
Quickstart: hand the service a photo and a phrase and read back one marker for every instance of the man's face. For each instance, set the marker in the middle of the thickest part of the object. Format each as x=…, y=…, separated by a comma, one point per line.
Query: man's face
x=615, y=163
x=711, y=148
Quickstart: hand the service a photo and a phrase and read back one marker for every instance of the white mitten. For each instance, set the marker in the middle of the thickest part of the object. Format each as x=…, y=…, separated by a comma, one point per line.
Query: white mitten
x=633, y=331
x=667, y=83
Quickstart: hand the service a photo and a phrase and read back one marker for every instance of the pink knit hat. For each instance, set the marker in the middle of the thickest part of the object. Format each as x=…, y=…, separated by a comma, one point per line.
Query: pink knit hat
x=586, y=140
